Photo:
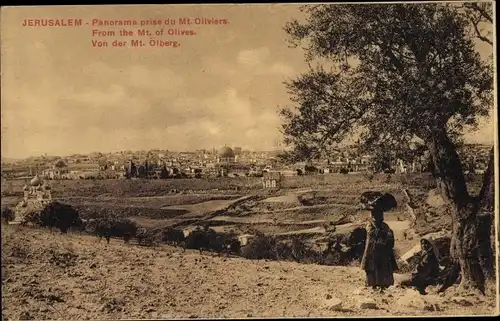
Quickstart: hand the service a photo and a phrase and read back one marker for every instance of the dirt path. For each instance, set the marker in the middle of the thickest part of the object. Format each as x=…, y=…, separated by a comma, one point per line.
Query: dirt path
x=49, y=276
x=207, y=207
x=314, y=230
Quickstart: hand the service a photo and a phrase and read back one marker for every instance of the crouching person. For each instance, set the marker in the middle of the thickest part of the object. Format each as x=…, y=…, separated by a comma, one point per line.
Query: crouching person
x=427, y=271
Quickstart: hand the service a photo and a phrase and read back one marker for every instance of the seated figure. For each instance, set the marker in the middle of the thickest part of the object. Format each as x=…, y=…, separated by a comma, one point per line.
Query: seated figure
x=427, y=271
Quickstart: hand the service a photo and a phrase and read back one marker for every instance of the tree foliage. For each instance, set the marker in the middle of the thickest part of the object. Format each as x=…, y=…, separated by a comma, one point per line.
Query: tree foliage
x=393, y=74
x=55, y=214
x=397, y=72
x=480, y=15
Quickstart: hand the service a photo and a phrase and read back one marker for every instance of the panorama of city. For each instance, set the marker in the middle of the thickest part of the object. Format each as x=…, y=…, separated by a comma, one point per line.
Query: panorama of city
x=236, y=176
x=225, y=161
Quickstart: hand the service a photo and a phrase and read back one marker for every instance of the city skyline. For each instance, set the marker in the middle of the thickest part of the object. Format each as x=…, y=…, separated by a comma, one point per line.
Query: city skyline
x=64, y=97
x=160, y=150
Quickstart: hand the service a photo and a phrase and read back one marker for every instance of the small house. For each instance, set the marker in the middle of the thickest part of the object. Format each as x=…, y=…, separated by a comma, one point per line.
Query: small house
x=271, y=180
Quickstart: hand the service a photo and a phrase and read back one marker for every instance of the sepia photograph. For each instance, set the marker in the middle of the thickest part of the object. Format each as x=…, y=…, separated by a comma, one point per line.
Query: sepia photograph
x=249, y=161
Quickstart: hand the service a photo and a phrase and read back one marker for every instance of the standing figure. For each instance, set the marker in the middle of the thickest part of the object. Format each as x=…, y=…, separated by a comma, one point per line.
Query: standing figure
x=379, y=261
x=427, y=271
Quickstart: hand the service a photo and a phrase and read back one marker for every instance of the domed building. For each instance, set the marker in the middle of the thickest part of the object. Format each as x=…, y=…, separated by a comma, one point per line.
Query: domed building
x=60, y=163
x=57, y=171
x=226, y=155
x=37, y=194
x=228, y=165
x=37, y=190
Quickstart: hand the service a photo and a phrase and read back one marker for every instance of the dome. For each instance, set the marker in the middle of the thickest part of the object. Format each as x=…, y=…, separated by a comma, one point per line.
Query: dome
x=60, y=163
x=226, y=152
x=36, y=181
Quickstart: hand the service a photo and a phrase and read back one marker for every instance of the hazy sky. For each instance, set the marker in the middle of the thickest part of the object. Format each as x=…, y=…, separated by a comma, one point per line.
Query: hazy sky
x=223, y=86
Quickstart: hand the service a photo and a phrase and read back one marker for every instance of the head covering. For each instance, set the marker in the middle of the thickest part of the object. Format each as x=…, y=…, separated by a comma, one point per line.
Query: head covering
x=368, y=199
x=384, y=201
x=434, y=248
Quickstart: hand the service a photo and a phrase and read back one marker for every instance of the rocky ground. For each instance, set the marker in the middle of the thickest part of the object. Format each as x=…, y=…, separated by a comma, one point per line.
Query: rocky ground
x=51, y=276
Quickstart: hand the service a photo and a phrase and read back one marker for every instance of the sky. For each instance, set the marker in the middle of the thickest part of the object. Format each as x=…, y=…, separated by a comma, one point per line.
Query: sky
x=224, y=86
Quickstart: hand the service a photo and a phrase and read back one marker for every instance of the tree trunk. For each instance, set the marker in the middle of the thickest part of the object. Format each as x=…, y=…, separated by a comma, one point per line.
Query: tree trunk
x=451, y=182
x=465, y=247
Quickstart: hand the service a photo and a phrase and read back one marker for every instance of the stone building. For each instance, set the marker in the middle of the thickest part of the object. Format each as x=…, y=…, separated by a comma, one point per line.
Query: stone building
x=271, y=180
x=226, y=155
x=37, y=190
x=37, y=194
x=58, y=170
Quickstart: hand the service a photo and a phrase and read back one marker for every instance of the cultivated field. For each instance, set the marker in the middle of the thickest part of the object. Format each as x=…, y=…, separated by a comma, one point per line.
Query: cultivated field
x=118, y=281
x=304, y=203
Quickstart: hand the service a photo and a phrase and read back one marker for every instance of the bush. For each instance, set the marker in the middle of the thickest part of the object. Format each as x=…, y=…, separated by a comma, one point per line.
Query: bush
x=55, y=214
x=33, y=218
x=59, y=215
x=262, y=247
x=302, y=252
x=148, y=237
x=208, y=239
x=197, y=239
x=270, y=248
x=7, y=214
x=112, y=226
x=172, y=236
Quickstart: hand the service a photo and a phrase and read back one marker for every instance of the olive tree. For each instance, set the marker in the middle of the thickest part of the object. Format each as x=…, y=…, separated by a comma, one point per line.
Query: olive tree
x=392, y=74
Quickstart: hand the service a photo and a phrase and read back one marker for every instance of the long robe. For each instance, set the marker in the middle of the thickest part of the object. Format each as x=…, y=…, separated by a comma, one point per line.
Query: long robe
x=378, y=260
x=427, y=271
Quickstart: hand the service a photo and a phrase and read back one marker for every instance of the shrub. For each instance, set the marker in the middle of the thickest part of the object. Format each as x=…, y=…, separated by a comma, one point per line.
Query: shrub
x=172, y=236
x=112, y=226
x=33, y=218
x=262, y=247
x=7, y=214
x=208, y=239
x=302, y=252
x=61, y=216
x=345, y=249
x=148, y=237
x=55, y=214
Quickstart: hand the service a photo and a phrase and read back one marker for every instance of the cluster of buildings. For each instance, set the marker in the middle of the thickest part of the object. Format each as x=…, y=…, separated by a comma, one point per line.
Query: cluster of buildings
x=226, y=162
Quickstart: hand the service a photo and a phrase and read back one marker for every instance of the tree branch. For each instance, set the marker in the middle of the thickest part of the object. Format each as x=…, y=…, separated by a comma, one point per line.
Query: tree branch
x=480, y=36
x=484, y=14
x=475, y=20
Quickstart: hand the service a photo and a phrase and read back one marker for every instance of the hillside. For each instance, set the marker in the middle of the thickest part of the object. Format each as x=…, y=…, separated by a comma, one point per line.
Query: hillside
x=50, y=276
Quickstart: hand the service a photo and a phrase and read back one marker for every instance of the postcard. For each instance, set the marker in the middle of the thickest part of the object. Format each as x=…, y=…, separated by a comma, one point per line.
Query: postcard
x=249, y=160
